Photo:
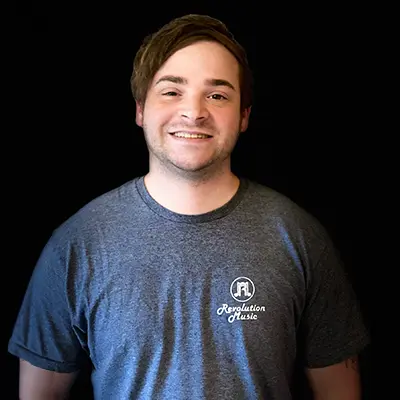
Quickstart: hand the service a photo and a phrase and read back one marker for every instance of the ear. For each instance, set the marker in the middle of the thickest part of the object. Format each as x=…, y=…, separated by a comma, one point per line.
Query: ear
x=139, y=114
x=244, y=123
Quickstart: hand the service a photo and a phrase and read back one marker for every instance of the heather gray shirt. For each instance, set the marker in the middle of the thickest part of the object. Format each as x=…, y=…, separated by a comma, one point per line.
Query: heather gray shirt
x=171, y=306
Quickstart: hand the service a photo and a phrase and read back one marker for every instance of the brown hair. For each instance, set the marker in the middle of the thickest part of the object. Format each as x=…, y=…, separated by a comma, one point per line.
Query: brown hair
x=177, y=34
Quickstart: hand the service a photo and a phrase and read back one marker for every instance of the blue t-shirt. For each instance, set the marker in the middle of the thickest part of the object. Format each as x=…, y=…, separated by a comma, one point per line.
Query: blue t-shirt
x=171, y=306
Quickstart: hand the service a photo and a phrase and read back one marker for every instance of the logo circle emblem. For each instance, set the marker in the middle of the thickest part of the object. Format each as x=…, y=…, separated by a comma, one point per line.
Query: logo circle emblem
x=242, y=289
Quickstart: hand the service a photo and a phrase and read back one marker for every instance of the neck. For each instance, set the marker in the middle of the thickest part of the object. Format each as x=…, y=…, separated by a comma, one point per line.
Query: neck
x=192, y=196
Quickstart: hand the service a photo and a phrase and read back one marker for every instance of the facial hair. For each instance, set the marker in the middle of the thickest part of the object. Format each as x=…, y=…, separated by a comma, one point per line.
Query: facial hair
x=164, y=163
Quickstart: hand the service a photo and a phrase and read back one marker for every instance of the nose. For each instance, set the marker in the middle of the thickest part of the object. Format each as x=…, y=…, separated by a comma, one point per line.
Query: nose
x=194, y=109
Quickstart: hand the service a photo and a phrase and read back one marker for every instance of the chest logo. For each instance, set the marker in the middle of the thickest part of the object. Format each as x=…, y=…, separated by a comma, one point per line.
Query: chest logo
x=242, y=289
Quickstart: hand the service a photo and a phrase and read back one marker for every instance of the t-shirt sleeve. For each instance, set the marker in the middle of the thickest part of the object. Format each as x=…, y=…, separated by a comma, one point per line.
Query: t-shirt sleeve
x=333, y=327
x=43, y=333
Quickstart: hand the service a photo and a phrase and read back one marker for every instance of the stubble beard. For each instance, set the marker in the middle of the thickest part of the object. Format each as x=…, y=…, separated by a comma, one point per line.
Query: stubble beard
x=161, y=162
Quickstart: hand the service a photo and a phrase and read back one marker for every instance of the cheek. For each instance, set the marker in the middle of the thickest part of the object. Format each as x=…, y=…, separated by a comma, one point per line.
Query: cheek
x=156, y=116
x=228, y=121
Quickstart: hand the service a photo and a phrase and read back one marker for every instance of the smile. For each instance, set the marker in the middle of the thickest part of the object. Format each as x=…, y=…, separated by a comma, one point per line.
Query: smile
x=188, y=135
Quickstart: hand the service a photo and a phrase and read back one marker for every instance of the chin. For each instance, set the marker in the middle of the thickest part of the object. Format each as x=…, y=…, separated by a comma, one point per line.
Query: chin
x=191, y=168
x=195, y=170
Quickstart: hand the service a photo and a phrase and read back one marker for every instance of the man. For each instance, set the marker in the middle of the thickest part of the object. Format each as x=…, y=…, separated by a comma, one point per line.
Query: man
x=190, y=282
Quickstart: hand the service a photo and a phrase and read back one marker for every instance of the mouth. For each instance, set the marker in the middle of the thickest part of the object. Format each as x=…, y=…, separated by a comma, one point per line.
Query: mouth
x=190, y=135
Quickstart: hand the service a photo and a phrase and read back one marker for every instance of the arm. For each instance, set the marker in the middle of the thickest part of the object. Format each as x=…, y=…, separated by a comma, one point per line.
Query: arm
x=49, y=337
x=336, y=382
x=36, y=383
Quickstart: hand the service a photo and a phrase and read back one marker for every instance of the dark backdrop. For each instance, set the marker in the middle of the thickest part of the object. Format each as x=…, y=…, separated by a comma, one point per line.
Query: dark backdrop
x=75, y=133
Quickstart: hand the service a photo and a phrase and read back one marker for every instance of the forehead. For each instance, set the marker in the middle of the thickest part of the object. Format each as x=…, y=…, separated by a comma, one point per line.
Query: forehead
x=201, y=61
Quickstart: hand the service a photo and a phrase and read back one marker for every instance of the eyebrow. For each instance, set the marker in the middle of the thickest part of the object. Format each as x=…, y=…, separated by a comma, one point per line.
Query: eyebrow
x=183, y=81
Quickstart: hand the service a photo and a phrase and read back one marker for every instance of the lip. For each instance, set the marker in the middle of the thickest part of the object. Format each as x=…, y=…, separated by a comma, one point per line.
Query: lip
x=190, y=132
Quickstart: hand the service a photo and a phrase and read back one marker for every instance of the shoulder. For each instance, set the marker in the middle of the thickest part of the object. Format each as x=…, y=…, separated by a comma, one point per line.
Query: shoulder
x=270, y=200
x=101, y=213
x=272, y=206
x=285, y=221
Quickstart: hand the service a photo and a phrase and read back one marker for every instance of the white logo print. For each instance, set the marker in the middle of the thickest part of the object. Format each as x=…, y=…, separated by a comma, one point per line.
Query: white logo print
x=242, y=290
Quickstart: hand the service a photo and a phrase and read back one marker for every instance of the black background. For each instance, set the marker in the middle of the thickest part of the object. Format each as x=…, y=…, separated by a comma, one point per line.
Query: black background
x=75, y=134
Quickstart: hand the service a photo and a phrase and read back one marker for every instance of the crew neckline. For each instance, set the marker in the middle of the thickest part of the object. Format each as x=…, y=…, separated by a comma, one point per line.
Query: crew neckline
x=218, y=213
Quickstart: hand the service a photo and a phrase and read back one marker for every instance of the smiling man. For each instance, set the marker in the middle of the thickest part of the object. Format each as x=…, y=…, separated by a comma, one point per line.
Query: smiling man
x=192, y=118
x=190, y=282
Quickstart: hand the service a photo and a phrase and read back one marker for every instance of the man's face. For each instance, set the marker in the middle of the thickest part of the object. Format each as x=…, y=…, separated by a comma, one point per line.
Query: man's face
x=195, y=93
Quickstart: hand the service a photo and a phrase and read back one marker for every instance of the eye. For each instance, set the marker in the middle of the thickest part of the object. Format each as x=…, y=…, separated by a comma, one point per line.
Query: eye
x=217, y=96
x=170, y=93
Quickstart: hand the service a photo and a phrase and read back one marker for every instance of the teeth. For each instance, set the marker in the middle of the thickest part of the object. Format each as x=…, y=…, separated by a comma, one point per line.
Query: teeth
x=190, y=135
